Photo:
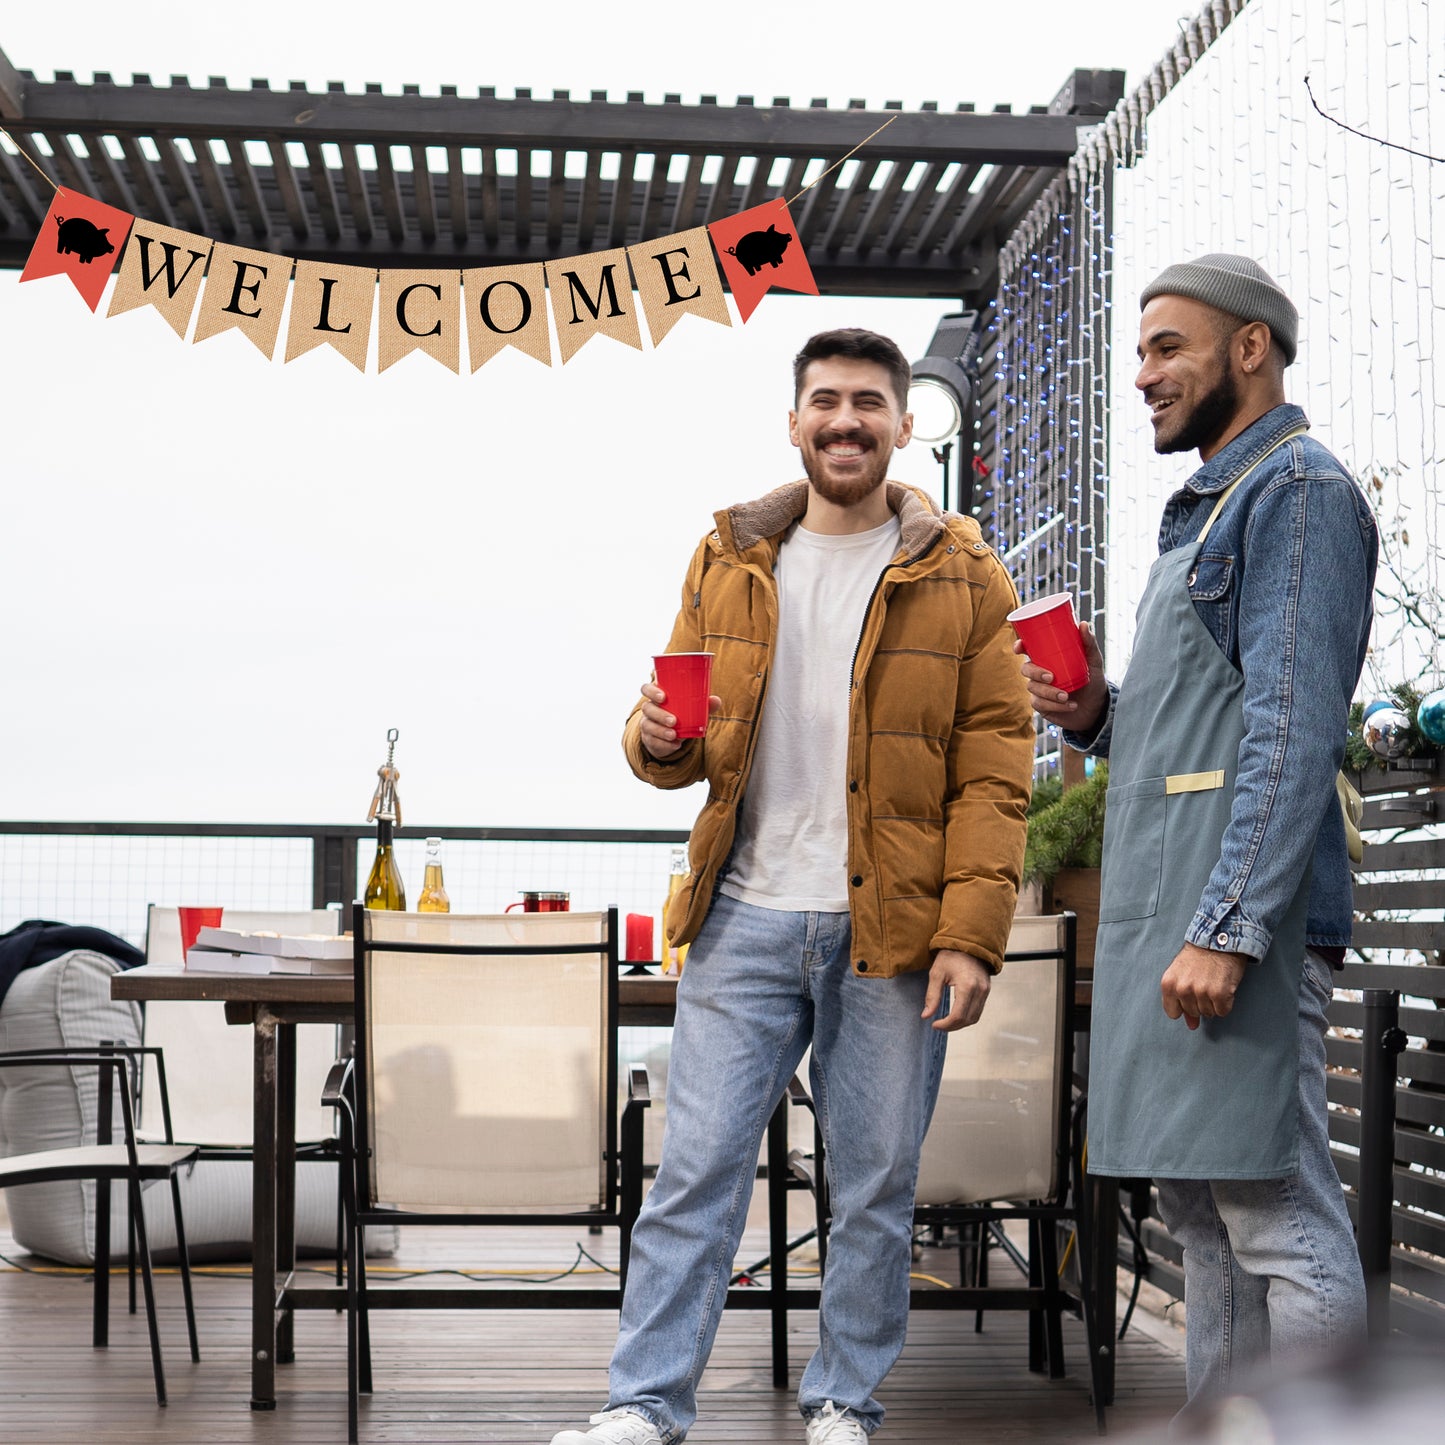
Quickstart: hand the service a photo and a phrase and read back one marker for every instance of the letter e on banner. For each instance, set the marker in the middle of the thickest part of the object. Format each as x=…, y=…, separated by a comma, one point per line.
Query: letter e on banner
x=245, y=290
x=507, y=306
x=79, y=238
x=759, y=249
x=676, y=277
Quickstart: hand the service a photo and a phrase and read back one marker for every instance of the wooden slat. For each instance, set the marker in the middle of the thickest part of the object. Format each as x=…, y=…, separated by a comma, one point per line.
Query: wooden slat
x=358, y=194
x=491, y=198
x=155, y=204
x=324, y=189
x=388, y=194
x=653, y=196
x=67, y=165
x=251, y=199
x=218, y=198
x=522, y=198
x=179, y=172
x=686, y=199
x=587, y=206
x=1399, y=894
x=424, y=195
x=620, y=214
x=1371, y=933
x=290, y=192
x=457, y=196
x=556, y=200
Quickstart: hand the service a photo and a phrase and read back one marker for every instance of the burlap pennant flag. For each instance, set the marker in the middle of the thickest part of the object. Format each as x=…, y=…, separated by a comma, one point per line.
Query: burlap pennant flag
x=592, y=296
x=79, y=238
x=331, y=306
x=759, y=249
x=162, y=267
x=419, y=311
x=676, y=277
x=246, y=290
x=507, y=306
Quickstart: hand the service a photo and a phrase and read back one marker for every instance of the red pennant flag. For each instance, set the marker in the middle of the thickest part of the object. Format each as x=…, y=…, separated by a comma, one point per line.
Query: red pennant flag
x=759, y=249
x=79, y=238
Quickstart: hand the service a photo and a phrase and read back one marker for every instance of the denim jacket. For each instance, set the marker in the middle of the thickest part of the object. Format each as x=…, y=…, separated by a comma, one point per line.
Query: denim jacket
x=1284, y=585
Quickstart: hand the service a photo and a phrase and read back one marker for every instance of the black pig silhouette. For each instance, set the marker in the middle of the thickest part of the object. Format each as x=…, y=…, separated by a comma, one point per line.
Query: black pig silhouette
x=78, y=237
x=760, y=248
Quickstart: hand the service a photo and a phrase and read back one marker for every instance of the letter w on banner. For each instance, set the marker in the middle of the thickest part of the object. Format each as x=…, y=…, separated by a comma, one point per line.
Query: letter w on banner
x=759, y=249
x=79, y=238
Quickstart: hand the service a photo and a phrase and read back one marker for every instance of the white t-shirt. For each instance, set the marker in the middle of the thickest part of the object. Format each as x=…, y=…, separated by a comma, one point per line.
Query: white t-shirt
x=791, y=850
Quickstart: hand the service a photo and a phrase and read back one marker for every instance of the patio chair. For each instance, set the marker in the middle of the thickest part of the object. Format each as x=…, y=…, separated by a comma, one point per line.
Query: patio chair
x=135, y=1164
x=1004, y=1146
x=211, y=1070
x=483, y=1091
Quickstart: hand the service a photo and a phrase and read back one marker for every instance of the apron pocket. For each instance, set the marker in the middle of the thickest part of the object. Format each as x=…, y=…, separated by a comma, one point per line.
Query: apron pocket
x=1133, y=850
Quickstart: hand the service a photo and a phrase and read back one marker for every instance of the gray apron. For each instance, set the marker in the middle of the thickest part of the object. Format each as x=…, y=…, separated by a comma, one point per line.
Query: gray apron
x=1220, y=1101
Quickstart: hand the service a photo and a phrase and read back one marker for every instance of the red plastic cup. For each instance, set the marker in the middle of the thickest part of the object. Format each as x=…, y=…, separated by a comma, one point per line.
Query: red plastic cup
x=1050, y=634
x=686, y=678
x=192, y=921
x=639, y=938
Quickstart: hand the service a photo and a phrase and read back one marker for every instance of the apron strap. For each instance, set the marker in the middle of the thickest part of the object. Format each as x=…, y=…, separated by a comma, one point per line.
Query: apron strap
x=1228, y=492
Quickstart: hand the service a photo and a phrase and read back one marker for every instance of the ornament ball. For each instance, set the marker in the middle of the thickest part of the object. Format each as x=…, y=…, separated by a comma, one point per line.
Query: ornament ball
x=1430, y=716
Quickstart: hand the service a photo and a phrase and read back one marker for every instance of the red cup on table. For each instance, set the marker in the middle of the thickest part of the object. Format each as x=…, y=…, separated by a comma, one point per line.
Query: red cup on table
x=1050, y=634
x=192, y=921
x=685, y=678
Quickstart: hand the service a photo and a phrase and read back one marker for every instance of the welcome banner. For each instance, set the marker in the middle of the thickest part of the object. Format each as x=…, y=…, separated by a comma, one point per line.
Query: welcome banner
x=444, y=312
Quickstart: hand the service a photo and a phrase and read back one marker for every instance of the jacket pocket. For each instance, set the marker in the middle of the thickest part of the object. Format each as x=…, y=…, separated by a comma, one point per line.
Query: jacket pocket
x=1133, y=850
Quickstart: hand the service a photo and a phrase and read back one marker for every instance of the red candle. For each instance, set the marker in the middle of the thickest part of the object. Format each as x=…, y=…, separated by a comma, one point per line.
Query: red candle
x=639, y=938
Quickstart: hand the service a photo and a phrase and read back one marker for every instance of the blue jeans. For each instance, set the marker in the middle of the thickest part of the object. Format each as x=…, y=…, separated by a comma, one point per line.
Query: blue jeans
x=759, y=986
x=1271, y=1271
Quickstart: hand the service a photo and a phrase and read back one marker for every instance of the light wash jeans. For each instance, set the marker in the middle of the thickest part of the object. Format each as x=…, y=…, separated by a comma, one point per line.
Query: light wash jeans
x=1271, y=1271
x=758, y=987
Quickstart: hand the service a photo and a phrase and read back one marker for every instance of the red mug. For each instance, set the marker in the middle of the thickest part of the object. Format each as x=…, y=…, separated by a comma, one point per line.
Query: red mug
x=542, y=903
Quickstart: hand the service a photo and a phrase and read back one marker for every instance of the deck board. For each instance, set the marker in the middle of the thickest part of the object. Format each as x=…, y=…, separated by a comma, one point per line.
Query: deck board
x=513, y=1376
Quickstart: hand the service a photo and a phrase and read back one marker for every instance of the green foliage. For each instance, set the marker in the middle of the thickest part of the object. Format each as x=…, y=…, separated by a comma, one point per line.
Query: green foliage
x=1066, y=829
x=1358, y=755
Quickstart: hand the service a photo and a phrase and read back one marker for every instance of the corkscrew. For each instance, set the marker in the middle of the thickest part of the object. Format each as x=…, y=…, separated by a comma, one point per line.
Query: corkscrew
x=385, y=801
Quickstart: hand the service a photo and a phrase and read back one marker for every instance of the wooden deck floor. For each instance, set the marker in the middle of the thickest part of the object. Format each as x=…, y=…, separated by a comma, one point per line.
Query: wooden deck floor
x=517, y=1376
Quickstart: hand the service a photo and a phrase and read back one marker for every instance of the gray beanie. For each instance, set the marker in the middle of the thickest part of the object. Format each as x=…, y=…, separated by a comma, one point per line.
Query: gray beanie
x=1234, y=284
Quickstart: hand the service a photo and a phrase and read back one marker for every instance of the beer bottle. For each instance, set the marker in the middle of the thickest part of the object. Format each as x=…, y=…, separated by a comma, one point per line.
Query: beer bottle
x=674, y=954
x=433, y=897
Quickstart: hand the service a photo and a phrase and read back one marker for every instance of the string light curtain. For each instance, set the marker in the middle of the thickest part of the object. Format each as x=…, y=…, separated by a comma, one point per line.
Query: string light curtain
x=1309, y=134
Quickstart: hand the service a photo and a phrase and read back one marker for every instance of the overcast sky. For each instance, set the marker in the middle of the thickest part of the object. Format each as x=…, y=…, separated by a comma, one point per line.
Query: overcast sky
x=235, y=575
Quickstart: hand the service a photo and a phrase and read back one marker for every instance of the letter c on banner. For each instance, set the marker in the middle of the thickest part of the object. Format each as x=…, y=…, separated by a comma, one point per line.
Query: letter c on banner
x=404, y=297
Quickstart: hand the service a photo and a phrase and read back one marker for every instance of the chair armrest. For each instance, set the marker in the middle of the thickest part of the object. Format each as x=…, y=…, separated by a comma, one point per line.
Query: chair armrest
x=338, y=1082
x=639, y=1087
x=798, y=1094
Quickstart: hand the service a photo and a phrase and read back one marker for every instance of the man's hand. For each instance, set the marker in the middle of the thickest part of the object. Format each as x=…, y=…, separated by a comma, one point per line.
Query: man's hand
x=1201, y=984
x=1081, y=711
x=969, y=978
x=659, y=735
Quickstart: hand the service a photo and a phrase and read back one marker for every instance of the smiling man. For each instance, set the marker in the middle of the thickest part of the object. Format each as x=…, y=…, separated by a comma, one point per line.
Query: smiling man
x=853, y=875
x=1226, y=886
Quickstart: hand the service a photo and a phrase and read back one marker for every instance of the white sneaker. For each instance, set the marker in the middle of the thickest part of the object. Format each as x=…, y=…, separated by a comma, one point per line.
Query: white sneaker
x=620, y=1427
x=832, y=1426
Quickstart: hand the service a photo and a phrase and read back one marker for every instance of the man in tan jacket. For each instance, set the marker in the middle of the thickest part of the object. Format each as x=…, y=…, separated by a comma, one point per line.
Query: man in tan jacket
x=853, y=876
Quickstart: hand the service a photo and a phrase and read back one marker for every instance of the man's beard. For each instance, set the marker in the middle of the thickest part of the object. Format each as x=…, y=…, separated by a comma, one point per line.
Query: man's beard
x=1211, y=415
x=852, y=490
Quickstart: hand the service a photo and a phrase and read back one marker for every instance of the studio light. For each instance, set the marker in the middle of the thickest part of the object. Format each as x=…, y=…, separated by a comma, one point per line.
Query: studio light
x=941, y=396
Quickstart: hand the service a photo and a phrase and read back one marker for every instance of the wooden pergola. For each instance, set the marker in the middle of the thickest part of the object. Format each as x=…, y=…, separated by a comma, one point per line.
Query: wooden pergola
x=437, y=180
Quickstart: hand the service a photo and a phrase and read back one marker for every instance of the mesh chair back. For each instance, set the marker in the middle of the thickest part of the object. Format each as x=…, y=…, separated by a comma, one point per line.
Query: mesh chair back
x=488, y=1071
x=208, y=1061
x=996, y=1130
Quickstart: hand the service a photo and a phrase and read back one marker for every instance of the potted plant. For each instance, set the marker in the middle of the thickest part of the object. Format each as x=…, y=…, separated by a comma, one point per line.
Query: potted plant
x=1064, y=849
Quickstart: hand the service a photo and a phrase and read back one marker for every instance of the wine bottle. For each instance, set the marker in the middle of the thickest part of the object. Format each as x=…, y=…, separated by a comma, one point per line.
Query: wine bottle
x=384, y=887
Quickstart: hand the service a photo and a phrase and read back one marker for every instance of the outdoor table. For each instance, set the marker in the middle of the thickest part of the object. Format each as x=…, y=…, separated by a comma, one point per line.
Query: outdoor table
x=273, y=1004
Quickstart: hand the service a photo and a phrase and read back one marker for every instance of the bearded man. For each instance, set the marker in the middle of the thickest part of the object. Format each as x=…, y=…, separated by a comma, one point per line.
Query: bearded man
x=853, y=877
x=1226, y=899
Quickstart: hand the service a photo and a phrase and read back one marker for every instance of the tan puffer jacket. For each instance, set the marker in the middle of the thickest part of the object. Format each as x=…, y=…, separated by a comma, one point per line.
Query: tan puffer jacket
x=940, y=747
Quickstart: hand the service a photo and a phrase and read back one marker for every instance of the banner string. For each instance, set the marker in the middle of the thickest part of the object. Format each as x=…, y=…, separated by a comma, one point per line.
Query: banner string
x=31, y=159
x=843, y=158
